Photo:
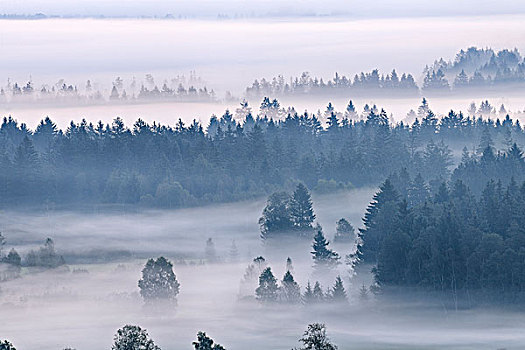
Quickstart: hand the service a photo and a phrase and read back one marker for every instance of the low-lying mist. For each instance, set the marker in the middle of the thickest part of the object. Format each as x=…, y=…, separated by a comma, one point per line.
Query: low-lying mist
x=82, y=307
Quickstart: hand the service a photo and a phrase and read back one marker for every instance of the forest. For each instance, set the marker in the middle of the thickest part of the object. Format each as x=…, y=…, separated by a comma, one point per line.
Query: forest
x=241, y=156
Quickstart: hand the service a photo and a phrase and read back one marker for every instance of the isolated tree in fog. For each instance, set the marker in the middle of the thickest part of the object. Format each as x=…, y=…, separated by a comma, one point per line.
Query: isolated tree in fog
x=268, y=289
x=158, y=281
x=344, y=231
x=133, y=338
x=276, y=218
x=338, y=293
x=211, y=254
x=315, y=338
x=205, y=343
x=233, y=252
x=301, y=210
x=363, y=293
x=322, y=255
x=290, y=292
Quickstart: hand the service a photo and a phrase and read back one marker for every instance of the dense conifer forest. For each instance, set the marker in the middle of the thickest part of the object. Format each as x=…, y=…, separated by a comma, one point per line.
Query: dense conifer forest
x=242, y=157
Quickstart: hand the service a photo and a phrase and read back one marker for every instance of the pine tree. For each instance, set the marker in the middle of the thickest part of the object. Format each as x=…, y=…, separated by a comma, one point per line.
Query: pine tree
x=205, y=343
x=317, y=294
x=308, y=296
x=418, y=191
x=276, y=220
x=267, y=291
x=323, y=256
x=234, y=253
x=338, y=293
x=210, y=253
x=158, y=281
x=363, y=293
x=290, y=292
x=301, y=210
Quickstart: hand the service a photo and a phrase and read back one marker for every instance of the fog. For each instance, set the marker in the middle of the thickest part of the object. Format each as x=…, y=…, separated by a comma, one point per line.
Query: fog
x=105, y=247
x=229, y=55
x=259, y=8
x=55, y=309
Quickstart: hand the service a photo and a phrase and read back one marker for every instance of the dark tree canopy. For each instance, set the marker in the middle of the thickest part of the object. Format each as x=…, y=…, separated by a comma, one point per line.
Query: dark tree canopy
x=206, y=343
x=315, y=338
x=133, y=338
x=158, y=281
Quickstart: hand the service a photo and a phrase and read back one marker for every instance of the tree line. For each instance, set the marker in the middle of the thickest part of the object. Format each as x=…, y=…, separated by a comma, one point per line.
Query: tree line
x=235, y=157
x=132, y=337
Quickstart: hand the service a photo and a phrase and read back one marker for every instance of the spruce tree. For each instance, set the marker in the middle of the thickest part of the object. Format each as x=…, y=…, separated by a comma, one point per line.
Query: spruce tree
x=290, y=292
x=301, y=210
x=267, y=291
x=308, y=296
x=363, y=293
x=338, y=293
x=318, y=295
x=323, y=256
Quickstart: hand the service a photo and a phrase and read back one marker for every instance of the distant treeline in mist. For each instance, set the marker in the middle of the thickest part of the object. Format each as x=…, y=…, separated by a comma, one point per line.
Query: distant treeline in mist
x=473, y=69
x=179, y=89
x=233, y=159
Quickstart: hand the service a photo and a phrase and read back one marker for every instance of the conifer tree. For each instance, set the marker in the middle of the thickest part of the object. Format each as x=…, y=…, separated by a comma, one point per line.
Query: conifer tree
x=267, y=291
x=338, y=293
x=290, y=292
x=318, y=295
x=323, y=256
x=301, y=210
x=308, y=296
x=363, y=293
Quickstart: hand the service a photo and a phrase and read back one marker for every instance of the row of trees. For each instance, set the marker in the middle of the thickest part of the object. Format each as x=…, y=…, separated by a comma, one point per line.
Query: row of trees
x=372, y=82
x=131, y=337
x=184, y=165
x=471, y=68
x=179, y=88
x=45, y=257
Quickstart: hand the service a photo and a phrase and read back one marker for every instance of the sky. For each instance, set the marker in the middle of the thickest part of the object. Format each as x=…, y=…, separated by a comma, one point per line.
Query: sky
x=209, y=8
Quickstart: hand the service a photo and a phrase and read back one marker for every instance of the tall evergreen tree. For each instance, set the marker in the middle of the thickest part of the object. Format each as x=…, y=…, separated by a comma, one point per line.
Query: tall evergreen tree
x=323, y=256
x=301, y=210
x=267, y=291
